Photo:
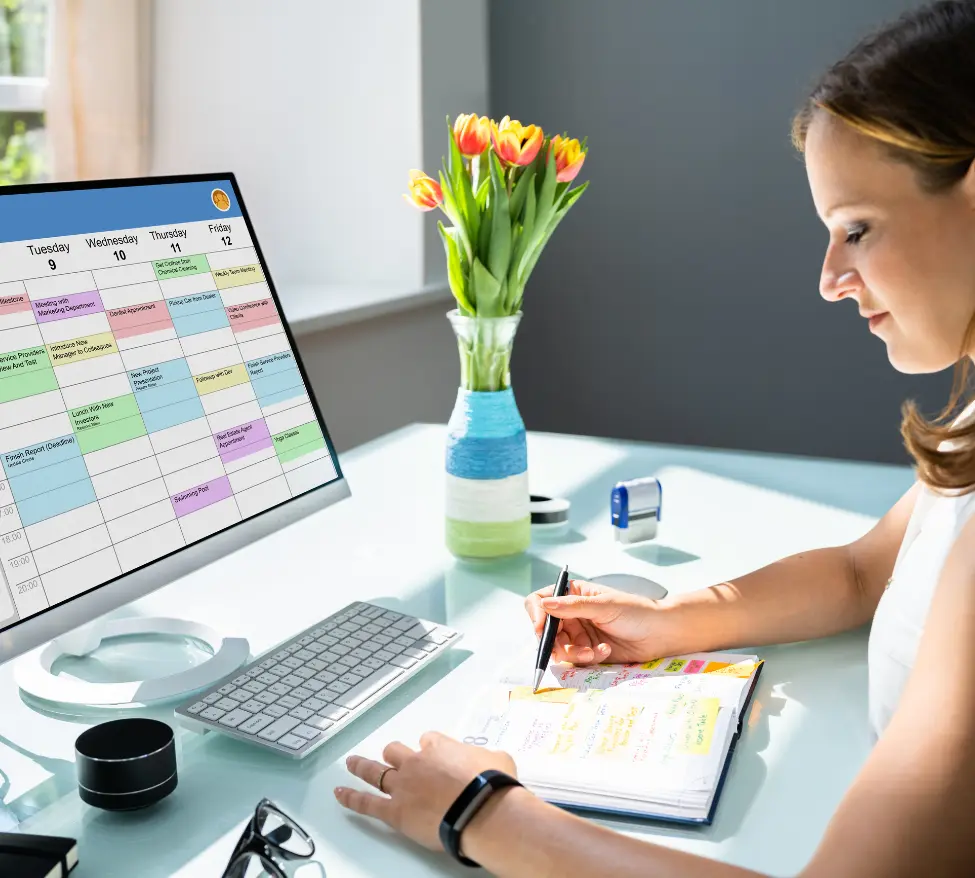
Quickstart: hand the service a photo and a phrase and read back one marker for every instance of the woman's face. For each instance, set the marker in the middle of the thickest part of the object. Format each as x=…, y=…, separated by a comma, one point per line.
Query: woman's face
x=905, y=256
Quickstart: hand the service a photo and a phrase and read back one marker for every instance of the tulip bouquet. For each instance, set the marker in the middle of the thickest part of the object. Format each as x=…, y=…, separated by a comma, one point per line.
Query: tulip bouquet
x=505, y=189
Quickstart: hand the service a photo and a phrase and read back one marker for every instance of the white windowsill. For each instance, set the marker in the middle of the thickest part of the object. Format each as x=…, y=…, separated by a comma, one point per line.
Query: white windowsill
x=315, y=307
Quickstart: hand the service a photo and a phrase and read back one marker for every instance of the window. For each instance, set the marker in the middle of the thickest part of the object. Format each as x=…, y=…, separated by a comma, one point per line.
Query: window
x=24, y=32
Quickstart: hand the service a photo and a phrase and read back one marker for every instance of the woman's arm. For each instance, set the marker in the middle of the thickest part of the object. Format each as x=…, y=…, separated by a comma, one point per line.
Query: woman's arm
x=802, y=597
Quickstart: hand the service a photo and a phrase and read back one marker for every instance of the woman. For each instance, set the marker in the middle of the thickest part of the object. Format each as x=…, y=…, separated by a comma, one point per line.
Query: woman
x=889, y=143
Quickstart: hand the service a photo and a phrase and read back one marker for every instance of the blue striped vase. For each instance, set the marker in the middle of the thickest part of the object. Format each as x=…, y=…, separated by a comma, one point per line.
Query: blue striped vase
x=487, y=512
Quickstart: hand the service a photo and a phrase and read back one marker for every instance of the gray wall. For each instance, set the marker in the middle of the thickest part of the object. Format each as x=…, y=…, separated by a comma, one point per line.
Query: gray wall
x=380, y=374
x=678, y=301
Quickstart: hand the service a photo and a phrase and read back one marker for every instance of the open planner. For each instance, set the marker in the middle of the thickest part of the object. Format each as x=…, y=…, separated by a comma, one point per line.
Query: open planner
x=649, y=740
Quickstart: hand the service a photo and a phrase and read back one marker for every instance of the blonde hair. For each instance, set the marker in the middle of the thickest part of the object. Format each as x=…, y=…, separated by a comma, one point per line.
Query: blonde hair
x=911, y=88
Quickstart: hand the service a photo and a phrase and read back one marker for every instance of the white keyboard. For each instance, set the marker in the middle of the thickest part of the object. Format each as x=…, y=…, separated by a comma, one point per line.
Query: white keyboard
x=318, y=682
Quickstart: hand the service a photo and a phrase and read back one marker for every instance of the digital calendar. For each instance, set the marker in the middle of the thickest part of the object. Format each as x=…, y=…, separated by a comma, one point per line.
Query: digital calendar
x=150, y=394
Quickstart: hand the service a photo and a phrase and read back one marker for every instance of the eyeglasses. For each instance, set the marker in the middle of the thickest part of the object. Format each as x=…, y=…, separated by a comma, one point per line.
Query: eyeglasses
x=269, y=840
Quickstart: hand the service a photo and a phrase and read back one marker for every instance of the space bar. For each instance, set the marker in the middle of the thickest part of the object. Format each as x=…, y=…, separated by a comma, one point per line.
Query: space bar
x=372, y=684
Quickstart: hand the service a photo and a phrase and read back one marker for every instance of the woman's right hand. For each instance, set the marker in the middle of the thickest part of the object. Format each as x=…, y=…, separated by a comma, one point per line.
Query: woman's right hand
x=601, y=624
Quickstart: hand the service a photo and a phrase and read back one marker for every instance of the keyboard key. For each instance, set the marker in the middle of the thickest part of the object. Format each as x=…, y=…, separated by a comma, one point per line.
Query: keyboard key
x=329, y=657
x=373, y=663
x=327, y=640
x=381, y=639
x=317, y=665
x=301, y=712
x=292, y=662
x=360, y=619
x=415, y=653
x=370, y=646
x=421, y=629
x=315, y=648
x=390, y=616
x=339, y=650
x=255, y=724
x=403, y=641
x=368, y=687
x=288, y=702
x=274, y=710
x=266, y=697
x=268, y=663
x=305, y=673
x=304, y=655
x=401, y=661
x=304, y=641
x=351, y=679
x=255, y=671
x=319, y=722
x=254, y=686
x=326, y=676
x=348, y=661
x=440, y=635
x=360, y=654
x=279, y=671
x=240, y=696
x=314, y=704
x=372, y=628
x=338, y=687
x=404, y=624
x=281, y=656
x=293, y=742
x=278, y=728
x=253, y=706
x=292, y=680
x=314, y=685
x=309, y=733
x=196, y=708
x=234, y=718
x=302, y=693
x=226, y=689
x=387, y=655
x=226, y=704
x=267, y=679
x=372, y=611
x=279, y=689
x=334, y=713
x=347, y=629
x=425, y=646
x=239, y=681
x=293, y=648
x=212, y=713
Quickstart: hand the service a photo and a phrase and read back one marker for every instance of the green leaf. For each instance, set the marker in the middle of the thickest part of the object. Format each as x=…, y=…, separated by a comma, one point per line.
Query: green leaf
x=487, y=291
x=454, y=215
x=487, y=224
x=460, y=183
x=455, y=273
x=520, y=192
x=523, y=238
x=482, y=193
x=543, y=216
x=533, y=257
x=499, y=250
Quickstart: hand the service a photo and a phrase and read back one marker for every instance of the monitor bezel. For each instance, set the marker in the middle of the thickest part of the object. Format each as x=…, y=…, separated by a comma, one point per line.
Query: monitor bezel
x=26, y=634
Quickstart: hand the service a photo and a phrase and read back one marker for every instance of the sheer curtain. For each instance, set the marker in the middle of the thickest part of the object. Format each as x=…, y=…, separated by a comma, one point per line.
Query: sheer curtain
x=98, y=89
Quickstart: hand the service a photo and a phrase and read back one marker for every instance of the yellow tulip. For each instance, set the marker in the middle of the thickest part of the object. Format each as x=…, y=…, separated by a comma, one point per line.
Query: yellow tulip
x=472, y=133
x=568, y=158
x=516, y=144
x=425, y=192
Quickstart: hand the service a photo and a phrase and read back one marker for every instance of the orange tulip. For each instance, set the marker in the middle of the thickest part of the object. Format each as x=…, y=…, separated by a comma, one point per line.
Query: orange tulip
x=425, y=192
x=472, y=133
x=568, y=158
x=516, y=144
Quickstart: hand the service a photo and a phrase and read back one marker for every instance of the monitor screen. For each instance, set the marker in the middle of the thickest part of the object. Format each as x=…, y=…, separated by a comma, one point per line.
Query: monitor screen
x=151, y=394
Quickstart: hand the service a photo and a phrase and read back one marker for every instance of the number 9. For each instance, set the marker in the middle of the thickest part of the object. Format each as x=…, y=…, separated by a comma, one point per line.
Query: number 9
x=52, y=264
x=477, y=742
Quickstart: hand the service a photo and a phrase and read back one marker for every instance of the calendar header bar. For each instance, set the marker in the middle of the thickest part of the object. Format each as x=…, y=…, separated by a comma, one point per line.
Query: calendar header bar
x=47, y=214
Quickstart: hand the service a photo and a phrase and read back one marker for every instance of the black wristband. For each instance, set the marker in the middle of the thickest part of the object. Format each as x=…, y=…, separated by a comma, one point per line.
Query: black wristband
x=466, y=805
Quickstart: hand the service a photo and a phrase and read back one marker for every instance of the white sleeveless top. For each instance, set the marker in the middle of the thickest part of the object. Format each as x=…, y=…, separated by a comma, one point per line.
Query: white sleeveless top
x=902, y=612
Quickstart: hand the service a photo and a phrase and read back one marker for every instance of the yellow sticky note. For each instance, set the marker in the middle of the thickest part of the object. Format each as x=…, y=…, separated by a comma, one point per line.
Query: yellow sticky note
x=649, y=666
x=698, y=728
x=675, y=665
x=550, y=696
x=738, y=669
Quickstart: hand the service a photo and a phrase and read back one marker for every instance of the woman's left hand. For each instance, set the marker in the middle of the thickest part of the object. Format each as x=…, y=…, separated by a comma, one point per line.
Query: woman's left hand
x=420, y=785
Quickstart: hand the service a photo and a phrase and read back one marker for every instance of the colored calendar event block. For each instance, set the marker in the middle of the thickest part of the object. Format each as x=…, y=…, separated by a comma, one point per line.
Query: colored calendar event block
x=62, y=307
x=297, y=442
x=15, y=304
x=139, y=319
x=220, y=379
x=78, y=349
x=238, y=276
x=180, y=266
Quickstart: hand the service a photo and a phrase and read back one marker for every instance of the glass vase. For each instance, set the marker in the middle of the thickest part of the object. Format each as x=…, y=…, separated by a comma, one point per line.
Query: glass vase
x=487, y=498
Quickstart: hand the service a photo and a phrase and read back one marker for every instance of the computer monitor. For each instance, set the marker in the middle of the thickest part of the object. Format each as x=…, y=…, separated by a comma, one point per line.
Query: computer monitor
x=154, y=411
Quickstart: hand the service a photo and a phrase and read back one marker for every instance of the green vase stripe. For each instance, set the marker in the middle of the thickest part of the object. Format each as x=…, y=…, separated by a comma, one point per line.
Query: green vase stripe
x=480, y=539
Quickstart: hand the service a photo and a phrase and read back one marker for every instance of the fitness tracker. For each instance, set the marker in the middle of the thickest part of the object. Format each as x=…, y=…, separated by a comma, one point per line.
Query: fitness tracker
x=467, y=804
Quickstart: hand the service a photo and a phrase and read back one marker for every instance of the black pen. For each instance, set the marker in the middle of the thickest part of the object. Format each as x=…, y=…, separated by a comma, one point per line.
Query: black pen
x=547, y=640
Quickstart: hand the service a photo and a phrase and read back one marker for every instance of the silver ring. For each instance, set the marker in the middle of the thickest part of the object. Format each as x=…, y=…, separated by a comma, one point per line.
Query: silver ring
x=382, y=774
